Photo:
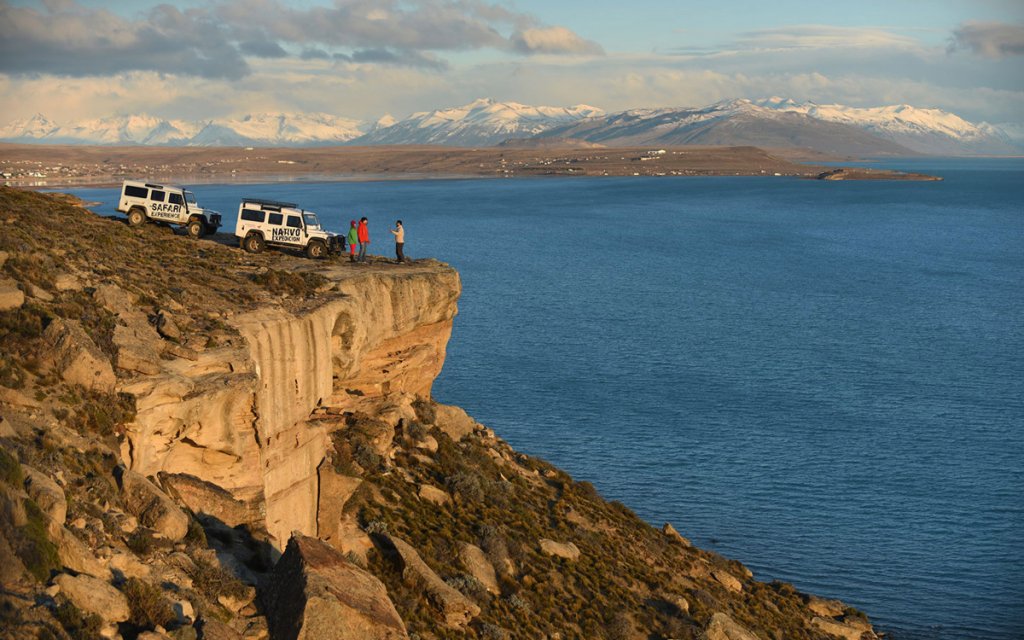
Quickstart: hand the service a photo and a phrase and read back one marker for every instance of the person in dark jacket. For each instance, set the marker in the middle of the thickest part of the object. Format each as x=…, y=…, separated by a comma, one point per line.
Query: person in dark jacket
x=363, y=234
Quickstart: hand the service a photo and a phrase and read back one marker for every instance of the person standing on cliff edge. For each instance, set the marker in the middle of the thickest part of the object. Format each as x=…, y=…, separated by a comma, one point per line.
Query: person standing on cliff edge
x=353, y=240
x=399, y=233
x=363, y=234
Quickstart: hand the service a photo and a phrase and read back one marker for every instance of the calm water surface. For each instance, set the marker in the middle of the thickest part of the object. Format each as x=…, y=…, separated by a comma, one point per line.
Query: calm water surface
x=823, y=380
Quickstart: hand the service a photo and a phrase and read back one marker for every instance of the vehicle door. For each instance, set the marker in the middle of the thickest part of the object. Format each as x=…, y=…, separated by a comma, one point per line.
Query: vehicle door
x=249, y=219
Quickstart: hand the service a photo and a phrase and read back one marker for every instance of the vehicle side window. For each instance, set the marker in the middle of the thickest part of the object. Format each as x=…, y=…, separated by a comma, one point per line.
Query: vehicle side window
x=294, y=222
x=276, y=218
x=132, y=191
x=156, y=196
x=175, y=198
x=252, y=215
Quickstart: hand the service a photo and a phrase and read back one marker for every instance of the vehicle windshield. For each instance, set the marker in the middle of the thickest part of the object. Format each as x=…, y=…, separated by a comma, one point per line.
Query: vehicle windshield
x=312, y=222
x=190, y=197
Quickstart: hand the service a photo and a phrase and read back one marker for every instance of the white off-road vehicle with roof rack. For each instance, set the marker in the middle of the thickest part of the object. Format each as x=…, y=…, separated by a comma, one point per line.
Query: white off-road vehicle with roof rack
x=283, y=224
x=143, y=201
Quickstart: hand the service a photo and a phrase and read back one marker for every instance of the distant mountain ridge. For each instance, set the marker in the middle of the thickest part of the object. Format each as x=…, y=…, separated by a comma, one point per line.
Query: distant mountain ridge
x=929, y=131
x=730, y=123
x=266, y=129
x=481, y=123
x=770, y=122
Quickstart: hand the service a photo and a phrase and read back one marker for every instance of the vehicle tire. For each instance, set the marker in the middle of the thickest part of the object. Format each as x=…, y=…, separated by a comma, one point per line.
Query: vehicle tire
x=316, y=249
x=254, y=243
x=136, y=217
x=196, y=228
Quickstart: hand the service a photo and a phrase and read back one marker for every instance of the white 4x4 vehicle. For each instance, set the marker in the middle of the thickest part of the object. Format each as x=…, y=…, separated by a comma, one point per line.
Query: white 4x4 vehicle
x=165, y=203
x=283, y=224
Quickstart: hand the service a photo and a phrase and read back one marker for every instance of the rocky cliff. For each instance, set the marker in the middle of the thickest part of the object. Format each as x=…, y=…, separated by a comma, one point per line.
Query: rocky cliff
x=200, y=443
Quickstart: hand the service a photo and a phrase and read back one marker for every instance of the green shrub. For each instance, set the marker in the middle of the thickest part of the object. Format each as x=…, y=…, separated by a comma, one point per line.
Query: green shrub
x=212, y=581
x=294, y=283
x=103, y=413
x=37, y=552
x=149, y=608
x=79, y=625
x=10, y=469
x=426, y=411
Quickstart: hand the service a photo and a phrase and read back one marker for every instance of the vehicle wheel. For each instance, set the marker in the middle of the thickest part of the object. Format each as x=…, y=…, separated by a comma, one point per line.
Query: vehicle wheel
x=136, y=217
x=316, y=249
x=254, y=243
x=196, y=228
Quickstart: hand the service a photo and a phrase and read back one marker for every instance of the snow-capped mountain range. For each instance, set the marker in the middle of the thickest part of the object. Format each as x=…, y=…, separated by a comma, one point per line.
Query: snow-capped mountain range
x=769, y=122
x=930, y=131
x=267, y=129
x=483, y=122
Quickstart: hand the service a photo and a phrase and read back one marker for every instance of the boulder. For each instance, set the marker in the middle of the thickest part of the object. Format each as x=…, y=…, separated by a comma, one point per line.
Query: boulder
x=457, y=609
x=314, y=593
x=94, y=596
x=727, y=580
x=206, y=498
x=76, y=358
x=46, y=493
x=166, y=326
x=454, y=421
x=217, y=630
x=334, y=491
x=566, y=550
x=428, y=444
x=11, y=297
x=844, y=630
x=66, y=282
x=825, y=608
x=477, y=565
x=722, y=627
x=152, y=506
x=75, y=554
x=39, y=293
x=674, y=535
x=134, y=336
x=430, y=493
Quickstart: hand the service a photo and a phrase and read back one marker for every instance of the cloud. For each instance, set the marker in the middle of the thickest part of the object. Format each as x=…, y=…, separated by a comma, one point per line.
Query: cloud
x=213, y=41
x=399, y=58
x=989, y=39
x=262, y=49
x=815, y=36
x=552, y=40
x=70, y=40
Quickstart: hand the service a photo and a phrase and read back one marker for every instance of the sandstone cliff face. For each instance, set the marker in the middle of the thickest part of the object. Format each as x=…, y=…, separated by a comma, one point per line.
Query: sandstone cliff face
x=202, y=425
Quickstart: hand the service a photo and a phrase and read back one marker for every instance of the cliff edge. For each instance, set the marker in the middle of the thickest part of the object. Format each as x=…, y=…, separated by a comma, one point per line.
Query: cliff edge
x=201, y=443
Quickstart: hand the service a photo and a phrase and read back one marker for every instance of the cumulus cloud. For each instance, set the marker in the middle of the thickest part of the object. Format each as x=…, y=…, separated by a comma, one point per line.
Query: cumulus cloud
x=556, y=40
x=214, y=40
x=989, y=39
x=71, y=40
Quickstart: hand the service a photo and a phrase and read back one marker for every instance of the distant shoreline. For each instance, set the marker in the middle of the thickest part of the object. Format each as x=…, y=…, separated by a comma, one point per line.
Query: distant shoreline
x=54, y=166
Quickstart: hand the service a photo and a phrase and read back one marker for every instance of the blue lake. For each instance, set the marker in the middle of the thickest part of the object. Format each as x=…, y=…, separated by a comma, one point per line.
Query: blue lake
x=824, y=380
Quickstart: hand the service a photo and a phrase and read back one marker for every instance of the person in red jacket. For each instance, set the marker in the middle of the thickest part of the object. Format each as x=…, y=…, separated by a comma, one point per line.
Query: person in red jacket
x=364, y=239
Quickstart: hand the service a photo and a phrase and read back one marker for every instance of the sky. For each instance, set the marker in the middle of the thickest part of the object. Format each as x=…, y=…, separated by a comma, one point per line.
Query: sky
x=80, y=59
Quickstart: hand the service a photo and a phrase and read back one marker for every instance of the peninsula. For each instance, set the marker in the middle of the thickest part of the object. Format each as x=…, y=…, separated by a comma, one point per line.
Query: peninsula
x=75, y=165
x=196, y=442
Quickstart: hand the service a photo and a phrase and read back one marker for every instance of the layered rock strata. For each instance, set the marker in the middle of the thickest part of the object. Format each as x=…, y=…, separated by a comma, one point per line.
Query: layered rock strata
x=202, y=425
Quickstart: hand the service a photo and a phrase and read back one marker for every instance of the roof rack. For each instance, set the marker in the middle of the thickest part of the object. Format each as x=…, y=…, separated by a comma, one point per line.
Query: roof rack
x=272, y=203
